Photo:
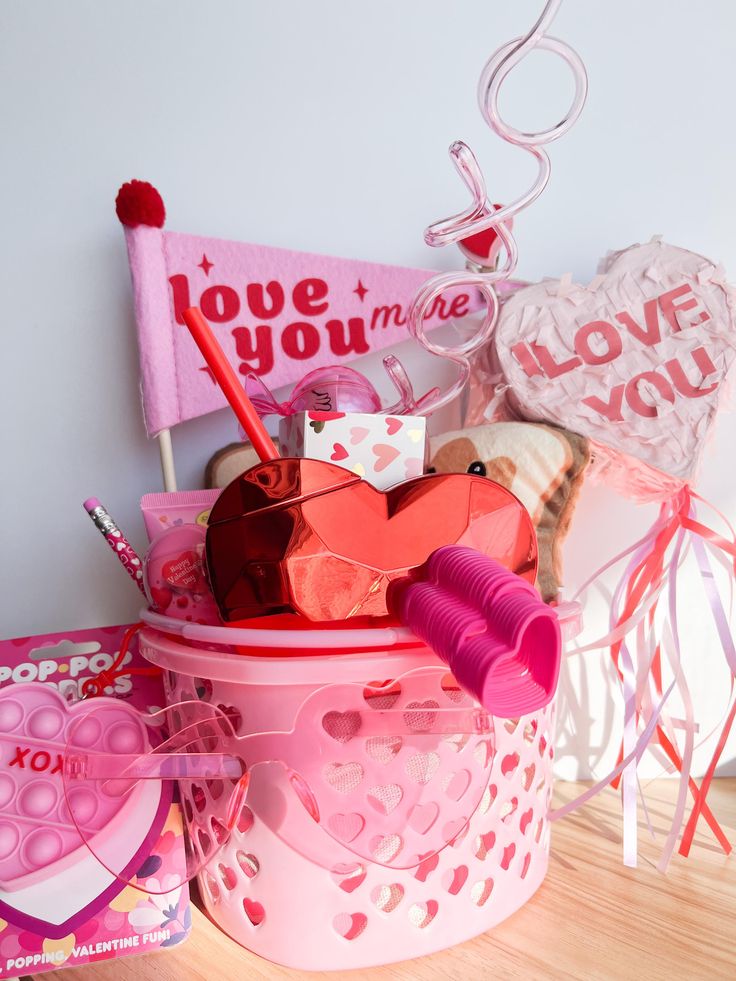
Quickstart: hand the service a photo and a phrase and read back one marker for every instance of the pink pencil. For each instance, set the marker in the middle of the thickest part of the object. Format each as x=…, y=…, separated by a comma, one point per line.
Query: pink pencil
x=116, y=540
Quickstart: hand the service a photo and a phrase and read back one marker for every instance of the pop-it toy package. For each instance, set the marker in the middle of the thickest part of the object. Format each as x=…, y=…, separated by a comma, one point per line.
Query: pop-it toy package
x=58, y=904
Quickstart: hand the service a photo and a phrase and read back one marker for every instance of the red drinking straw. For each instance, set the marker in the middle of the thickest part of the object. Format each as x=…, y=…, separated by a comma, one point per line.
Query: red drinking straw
x=230, y=384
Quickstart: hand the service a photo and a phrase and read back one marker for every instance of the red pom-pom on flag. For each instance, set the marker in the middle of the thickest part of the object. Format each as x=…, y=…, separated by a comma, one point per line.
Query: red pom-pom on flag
x=139, y=203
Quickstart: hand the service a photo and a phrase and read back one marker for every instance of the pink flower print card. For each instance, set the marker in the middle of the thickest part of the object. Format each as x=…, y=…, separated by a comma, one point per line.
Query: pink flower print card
x=384, y=450
x=59, y=905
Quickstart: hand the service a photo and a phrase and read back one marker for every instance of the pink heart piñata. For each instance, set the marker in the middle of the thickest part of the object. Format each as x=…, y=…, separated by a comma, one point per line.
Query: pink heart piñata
x=634, y=360
x=50, y=881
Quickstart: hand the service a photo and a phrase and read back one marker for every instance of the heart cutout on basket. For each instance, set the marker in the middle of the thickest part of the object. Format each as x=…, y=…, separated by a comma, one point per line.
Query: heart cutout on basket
x=341, y=726
x=382, y=694
x=50, y=881
x=347, y=827
x=305, y=536
x=634, y=360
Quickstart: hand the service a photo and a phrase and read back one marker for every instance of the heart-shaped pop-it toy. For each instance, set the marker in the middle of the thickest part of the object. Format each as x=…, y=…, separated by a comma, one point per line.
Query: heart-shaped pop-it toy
x=50, y=881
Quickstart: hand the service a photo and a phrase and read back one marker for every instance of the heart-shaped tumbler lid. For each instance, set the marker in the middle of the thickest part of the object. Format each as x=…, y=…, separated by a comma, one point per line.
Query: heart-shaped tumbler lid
x=304, y=536
x=634, y=361
x=49, y=879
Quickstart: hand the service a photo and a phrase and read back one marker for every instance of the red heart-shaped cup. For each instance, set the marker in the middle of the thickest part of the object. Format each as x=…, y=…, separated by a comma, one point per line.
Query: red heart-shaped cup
x=303, y=536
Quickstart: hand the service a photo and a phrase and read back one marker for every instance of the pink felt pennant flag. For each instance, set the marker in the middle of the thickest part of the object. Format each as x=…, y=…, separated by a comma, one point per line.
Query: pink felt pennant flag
x=276, y=312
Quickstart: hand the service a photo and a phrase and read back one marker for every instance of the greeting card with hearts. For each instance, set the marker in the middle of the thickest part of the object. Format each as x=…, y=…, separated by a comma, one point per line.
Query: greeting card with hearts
x=59, y=905
x=384, y=450
x=636, y=360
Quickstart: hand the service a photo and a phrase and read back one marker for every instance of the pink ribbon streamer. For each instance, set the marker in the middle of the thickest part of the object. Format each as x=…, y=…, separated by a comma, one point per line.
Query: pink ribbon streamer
x=673, y=654
x=729, y=648
x=652, y=570
x=629, y=777
x=634, y=756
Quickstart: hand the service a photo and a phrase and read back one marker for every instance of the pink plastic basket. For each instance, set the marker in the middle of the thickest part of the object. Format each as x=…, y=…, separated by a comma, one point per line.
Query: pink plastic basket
x=286, y=890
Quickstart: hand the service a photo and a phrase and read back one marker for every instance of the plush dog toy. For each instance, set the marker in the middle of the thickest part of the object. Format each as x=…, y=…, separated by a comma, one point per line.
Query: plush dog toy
x=233, y=459
x=542, y=465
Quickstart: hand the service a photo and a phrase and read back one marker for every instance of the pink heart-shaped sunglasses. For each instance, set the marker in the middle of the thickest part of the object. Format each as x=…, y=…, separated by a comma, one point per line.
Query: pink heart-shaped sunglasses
x=391, y=771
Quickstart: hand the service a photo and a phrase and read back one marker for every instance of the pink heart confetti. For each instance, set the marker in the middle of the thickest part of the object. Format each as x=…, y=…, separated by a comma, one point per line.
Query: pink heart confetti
x=339, y=452
x=385, y=456
x=358, y=434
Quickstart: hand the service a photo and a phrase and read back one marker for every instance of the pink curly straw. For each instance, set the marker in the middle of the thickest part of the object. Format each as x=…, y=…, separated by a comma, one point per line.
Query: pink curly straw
x=480, y=214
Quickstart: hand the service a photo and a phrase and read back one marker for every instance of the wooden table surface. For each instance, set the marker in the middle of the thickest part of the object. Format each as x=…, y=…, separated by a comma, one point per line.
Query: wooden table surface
x=592, y=918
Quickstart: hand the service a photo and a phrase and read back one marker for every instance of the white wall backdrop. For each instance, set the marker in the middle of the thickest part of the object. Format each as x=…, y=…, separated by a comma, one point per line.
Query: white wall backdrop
x=321, y=126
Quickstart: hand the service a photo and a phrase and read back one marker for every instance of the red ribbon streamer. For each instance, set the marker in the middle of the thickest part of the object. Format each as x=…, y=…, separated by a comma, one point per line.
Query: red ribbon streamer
x=95, y=687
x=642, y=591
